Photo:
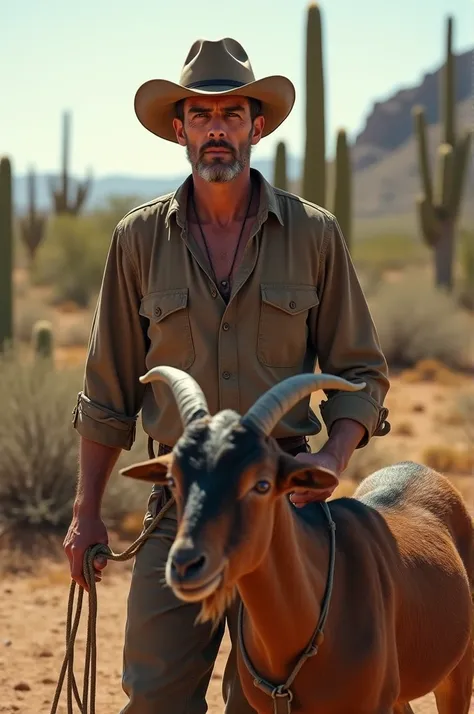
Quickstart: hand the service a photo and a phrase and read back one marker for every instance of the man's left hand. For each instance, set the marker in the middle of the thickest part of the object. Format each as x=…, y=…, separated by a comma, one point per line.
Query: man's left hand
x=327, y=461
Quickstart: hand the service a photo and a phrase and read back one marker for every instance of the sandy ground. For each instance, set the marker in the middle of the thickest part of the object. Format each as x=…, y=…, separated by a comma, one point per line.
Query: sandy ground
x=33, y=608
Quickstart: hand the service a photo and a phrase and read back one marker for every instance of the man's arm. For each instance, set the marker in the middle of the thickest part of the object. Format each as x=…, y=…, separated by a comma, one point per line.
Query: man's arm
x=348, y=346
x=107, y=408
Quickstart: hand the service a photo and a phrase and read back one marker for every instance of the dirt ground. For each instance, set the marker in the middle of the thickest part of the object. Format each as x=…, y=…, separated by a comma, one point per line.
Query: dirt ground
x=33, y=608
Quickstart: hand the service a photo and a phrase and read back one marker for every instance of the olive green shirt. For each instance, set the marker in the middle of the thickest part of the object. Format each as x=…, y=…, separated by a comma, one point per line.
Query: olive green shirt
x=296, y=303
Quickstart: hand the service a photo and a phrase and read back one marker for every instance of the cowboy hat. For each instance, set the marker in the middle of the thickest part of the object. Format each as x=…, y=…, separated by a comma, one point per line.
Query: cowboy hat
x=211, y=69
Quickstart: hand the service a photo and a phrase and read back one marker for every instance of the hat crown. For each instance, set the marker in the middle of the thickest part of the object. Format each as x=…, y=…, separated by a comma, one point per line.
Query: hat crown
x=216, y=62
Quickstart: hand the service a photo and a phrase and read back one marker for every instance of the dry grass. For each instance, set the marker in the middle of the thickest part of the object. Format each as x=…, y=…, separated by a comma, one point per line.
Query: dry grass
x=417, y=322
x=449, y=460
x=433, y=371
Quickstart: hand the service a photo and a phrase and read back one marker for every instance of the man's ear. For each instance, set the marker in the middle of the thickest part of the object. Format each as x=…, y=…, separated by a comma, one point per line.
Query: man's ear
x=153, y=470
x=294, y=475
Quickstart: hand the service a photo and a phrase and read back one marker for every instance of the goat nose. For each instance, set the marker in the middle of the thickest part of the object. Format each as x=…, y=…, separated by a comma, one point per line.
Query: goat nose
x=187, y=562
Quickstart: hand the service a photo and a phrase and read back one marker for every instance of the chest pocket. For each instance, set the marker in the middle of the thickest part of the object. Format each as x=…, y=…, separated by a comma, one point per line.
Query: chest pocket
x=282, y=330
x=169, y=329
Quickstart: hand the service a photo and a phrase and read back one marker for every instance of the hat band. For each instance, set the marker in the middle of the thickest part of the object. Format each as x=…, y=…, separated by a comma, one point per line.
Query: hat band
x=215, y=83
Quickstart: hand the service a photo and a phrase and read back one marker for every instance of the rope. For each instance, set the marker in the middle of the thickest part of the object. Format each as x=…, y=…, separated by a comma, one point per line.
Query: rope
x=87, y=704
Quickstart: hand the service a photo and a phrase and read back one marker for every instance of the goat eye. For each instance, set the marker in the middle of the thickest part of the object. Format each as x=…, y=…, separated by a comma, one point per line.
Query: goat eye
x=262, y=486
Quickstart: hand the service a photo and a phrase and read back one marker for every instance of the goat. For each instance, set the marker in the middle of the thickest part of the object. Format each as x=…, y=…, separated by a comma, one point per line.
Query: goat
x=392, y=591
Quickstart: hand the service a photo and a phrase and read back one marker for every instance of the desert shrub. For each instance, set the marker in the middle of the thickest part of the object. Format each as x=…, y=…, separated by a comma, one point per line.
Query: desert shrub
x=38, y=447
x=389, y=252
x=72, y=258
x=39, y=453
x=415, y=321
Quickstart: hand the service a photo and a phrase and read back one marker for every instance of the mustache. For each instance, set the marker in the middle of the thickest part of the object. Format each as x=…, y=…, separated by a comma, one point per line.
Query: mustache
x=216, y=144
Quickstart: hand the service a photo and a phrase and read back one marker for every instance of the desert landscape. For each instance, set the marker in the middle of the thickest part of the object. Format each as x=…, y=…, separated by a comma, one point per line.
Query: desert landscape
x=411, y=240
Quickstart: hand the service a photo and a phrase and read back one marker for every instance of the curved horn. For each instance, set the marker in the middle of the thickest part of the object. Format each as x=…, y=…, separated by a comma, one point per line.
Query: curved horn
x=279, y=399
x=189, y=396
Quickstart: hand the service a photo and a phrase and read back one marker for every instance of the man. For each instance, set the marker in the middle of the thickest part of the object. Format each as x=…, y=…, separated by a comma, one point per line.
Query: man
x=242, y=285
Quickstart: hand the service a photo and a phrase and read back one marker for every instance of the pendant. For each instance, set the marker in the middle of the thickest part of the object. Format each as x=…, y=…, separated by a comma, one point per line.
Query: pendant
x=225, y=288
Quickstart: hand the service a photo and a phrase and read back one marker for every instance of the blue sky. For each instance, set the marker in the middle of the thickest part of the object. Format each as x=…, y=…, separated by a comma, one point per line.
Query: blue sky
x=90, y=57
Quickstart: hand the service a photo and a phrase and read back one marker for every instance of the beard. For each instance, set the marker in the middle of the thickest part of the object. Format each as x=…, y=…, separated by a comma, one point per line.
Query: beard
x=219, y=169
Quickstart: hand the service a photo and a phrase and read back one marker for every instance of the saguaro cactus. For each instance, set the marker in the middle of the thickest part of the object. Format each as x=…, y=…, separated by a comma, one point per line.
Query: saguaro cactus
x=63, y=202
x=280, y=179
x=342, y=201
x=6, y=253
x=314, y=169
x=32, y=225
x=439, y=205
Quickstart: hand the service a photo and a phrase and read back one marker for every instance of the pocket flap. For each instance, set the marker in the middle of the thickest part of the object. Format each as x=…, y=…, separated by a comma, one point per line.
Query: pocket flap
x=158, y=305
x=292, y=299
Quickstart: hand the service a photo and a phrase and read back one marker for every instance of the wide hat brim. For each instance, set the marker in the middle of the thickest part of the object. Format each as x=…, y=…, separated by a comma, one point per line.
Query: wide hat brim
x=155, y=102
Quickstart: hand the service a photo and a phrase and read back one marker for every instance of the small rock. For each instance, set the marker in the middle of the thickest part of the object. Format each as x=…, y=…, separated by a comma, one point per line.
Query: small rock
x=7, y=643
x=22, y=687
x=45, y=653
x=8, y=591
x=48, y=680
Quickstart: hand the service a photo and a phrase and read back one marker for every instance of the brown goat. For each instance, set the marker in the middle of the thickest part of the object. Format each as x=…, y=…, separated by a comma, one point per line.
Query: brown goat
x=387, y=573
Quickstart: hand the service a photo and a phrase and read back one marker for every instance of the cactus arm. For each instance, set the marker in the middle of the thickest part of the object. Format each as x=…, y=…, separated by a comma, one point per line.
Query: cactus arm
x=428, y=222
x=420, y=131
x=460, y=165
x=447, y=93
x=444, y=174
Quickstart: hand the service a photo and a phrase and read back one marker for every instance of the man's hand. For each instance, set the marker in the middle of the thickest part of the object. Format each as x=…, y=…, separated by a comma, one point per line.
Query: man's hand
x=321, y=458
x=85, y=531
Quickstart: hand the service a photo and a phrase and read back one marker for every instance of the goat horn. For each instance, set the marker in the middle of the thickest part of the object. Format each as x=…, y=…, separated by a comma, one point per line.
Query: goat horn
x=279, y=399
x=188, y=394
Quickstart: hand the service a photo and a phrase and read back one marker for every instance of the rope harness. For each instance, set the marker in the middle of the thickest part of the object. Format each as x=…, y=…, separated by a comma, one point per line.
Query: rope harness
x=87, y=704
x=281, y=694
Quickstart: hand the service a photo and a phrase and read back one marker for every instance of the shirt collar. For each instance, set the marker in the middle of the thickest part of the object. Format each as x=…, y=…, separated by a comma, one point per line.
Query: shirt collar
x=268, y=200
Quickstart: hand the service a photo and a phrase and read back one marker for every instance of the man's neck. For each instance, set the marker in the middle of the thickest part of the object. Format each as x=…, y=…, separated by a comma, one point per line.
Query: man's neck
x=222, y=203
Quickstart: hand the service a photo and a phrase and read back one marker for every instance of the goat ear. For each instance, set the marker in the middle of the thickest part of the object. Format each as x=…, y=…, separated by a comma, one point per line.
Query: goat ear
x=294, y=475
x=153, y=470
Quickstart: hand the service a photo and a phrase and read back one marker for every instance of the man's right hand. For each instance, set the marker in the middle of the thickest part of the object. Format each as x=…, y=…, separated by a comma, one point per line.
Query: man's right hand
x=85, y=531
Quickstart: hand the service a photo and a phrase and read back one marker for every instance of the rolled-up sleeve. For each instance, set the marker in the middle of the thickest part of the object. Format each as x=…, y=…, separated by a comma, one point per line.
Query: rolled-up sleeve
x=108, y=405
x=346, y=340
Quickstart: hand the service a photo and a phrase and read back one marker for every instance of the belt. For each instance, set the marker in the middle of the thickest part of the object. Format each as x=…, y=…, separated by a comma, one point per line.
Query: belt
x=287, y=443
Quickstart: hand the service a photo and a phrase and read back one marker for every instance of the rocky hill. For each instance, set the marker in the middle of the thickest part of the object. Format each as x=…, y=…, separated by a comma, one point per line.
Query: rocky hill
x=390, y=123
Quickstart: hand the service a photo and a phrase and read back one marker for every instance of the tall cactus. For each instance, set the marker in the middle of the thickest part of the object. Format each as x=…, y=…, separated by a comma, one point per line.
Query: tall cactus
x=280, y=177
x=63, y=202
x=32, y=225
x=314, y=169
x=6, y=253
x=439, y=205
x=342, y=200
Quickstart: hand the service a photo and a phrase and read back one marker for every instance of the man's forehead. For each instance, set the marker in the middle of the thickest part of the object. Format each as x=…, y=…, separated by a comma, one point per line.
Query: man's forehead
x=214, y=103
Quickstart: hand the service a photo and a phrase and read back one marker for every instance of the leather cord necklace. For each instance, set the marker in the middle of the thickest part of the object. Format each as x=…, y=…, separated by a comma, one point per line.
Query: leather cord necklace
x=224, y=284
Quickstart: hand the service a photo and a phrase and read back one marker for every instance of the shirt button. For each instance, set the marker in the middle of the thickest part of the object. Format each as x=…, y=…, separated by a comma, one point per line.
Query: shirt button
x=157, y=311
x=226, y=375
x=292, y=304
x=214, y=293
x=225, y=326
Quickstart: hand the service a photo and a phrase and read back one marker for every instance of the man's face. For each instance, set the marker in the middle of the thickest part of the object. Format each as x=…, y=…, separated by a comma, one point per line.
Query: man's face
x=218, y=134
